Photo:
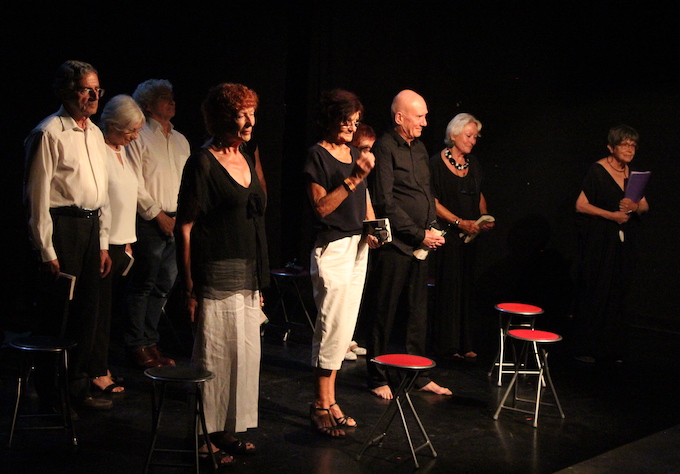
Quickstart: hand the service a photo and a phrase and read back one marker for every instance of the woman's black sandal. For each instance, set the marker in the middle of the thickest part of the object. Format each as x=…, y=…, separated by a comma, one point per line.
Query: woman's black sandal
x=342, y=421
x=220, y=457
x=232, y=445
x=324, y=430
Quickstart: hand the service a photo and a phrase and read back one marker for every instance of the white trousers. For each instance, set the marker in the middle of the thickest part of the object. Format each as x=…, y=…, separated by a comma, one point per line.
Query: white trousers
x=338, y=273
x=227, y=343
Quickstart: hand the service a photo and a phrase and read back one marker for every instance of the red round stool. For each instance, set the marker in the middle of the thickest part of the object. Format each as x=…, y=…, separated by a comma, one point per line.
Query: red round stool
x=531, y=338
x=512, y=315
x=402, y=371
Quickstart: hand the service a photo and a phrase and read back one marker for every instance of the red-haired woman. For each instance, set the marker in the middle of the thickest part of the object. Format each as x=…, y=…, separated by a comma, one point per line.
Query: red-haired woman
x=222, y=253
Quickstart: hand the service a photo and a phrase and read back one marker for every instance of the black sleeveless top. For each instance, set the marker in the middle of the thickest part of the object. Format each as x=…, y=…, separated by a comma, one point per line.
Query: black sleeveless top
x=228, y=238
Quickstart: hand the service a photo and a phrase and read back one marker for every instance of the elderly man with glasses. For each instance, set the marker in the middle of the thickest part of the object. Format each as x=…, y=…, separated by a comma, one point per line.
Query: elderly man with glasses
x=67, y=199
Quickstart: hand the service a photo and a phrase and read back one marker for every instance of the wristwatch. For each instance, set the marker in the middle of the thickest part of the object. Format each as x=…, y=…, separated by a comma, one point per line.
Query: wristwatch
x=456, y=222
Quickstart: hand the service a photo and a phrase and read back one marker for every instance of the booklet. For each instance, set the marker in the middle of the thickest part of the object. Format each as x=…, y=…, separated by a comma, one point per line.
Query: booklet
x=636, y=184
x=482, y=220
x=129, y=265
x=67, y=283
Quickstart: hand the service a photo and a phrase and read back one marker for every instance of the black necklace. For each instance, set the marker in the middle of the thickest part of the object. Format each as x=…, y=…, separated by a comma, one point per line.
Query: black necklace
x=462, y=167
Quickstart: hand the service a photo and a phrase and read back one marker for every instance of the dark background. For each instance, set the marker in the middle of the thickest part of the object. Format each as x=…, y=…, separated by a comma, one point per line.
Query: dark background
x=547, y=80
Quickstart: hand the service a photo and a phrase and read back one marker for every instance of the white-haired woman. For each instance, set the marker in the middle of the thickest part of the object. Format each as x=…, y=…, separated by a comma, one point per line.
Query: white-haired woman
x=457, y=183
x=121, y=121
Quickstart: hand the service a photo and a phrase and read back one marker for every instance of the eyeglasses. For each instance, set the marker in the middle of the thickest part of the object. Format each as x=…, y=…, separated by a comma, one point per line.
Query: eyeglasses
x=349, y=123
x=89, y=91
x=632, y=145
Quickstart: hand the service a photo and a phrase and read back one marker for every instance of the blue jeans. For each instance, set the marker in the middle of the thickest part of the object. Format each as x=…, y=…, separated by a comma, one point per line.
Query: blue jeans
x=151, y=279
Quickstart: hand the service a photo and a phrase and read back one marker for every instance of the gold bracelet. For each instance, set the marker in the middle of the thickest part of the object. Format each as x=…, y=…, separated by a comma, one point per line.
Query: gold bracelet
x=348, y=185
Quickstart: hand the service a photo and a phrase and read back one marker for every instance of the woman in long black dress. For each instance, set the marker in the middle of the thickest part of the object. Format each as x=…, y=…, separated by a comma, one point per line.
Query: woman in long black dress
x=457, y=181
x=605, y=221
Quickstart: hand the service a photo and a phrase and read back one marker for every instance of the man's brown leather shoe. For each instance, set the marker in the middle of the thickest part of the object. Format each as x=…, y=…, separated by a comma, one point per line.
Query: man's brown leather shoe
x=156, y=354
x=145, y=358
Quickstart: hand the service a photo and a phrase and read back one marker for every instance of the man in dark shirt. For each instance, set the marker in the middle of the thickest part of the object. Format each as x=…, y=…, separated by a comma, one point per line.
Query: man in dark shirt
x=401, y=192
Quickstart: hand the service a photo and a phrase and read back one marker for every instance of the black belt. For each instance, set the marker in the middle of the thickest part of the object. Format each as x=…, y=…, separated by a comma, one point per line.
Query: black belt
x=73, y=211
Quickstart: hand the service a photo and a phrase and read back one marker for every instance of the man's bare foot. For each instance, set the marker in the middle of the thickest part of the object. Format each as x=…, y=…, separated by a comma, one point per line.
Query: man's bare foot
x=384, y=392
x=437, y=389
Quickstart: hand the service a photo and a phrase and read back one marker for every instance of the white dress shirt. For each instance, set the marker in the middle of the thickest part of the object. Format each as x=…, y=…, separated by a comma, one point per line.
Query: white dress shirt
x=122, y=197
x=67, y=167
x=159, y=161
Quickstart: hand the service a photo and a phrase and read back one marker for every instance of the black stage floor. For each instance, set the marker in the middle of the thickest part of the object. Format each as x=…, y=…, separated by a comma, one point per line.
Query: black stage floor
x=619, y=418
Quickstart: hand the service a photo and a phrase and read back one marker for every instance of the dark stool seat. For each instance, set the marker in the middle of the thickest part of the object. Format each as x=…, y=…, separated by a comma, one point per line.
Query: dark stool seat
x=160, y=377
x=511, y=315
x=406, y=368
x=531, y=338
x=33, y=345
x=286, y=280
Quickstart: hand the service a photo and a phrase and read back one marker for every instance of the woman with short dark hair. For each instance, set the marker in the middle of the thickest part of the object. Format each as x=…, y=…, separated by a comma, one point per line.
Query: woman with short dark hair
x=605, y=220
x=336, y=185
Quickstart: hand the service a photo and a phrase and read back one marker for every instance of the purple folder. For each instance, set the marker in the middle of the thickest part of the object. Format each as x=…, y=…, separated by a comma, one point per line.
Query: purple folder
x=635, y=187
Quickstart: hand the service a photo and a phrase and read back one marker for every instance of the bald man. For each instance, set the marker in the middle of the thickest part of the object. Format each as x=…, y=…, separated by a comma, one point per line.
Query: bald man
x=401, y=191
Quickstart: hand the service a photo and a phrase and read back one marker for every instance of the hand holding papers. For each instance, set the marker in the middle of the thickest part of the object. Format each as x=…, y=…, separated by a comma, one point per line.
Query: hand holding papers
x=422, y=253
x=482, y=220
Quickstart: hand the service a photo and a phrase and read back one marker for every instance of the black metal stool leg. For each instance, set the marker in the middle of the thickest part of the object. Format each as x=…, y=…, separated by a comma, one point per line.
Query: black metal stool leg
x=283, y=308
x=156, y=404
x=422, y=429
x=24, y=369
x=392, y=407
x=301, y=302
x=201, y=415
x=62, y=374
